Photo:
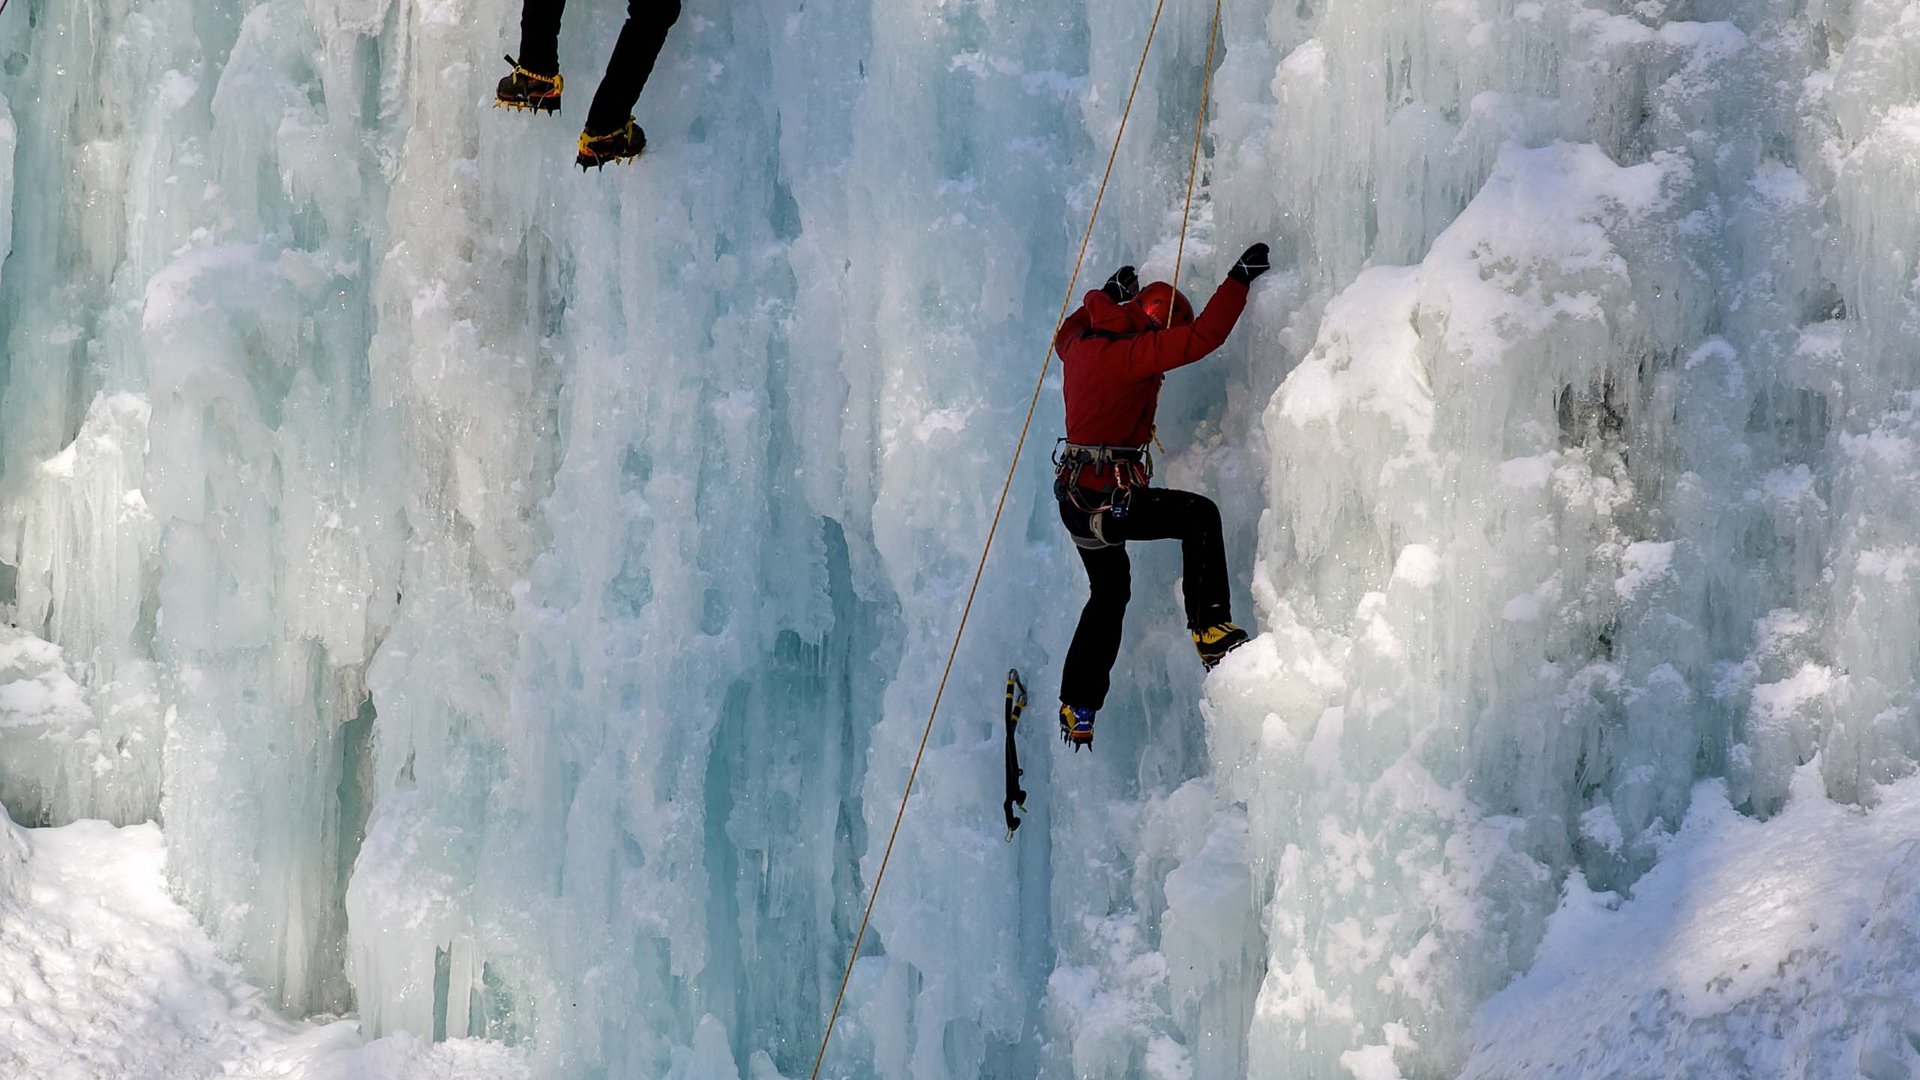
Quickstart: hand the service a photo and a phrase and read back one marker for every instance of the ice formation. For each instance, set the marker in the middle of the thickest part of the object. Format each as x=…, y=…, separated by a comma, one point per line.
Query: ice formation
x=519, y=594
x=103, y=975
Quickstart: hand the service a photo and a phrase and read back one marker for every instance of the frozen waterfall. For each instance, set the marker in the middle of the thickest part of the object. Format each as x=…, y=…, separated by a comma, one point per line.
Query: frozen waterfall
x=518, y=594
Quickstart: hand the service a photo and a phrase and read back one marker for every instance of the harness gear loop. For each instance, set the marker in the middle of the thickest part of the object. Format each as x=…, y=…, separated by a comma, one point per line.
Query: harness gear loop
x=993, y=527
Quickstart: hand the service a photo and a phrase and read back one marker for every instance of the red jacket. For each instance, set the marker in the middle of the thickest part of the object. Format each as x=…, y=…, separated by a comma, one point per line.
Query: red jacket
x=1114, y=361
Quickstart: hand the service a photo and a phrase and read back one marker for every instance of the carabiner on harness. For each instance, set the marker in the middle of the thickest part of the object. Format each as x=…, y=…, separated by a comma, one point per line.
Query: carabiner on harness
x=1128, y=467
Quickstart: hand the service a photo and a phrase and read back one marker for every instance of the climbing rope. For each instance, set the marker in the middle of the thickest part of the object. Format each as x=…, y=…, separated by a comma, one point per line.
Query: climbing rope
x=993, y=528
x=1193, y=163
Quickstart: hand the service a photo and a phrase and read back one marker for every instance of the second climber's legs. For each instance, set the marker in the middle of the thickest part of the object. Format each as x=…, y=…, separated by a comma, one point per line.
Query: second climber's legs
x=534, y=83
x=611, y=134
x=634, y=54
x=540, y=36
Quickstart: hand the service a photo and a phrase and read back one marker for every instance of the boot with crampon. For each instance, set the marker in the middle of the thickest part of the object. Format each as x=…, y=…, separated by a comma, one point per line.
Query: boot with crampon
x=1076, y=726
x=532, y=91
x=621, y=144
x=1216, y=641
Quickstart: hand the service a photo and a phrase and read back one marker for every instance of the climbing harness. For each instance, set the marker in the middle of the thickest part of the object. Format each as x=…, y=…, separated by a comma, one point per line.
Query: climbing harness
x=1016, y=795
x=993, y=527
x=1129, y=467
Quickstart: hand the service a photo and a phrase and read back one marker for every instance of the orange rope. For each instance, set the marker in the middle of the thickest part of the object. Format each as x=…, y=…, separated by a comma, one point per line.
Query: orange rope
x=1026, y=426
x=1193, y=163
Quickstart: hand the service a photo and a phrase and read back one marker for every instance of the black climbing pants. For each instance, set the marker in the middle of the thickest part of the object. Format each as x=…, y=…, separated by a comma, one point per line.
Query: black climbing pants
x=1152, y=514
x=633, y=54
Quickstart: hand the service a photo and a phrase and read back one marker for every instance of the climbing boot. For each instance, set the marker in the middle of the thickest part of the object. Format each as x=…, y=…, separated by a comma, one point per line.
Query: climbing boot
x=1216, y=641
x=1076, y=726
x=621, y=144
x=530, y=91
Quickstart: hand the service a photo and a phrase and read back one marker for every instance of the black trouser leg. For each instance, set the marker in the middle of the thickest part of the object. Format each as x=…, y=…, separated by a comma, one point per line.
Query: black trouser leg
x=1096, y=641
x=1152, y=514
x=633, y=56
x=1160, y=514
x=540, y=36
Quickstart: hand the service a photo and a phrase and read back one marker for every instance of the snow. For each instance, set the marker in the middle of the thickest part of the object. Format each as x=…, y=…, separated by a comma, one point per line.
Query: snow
x=102, y=974
x=1776, y=949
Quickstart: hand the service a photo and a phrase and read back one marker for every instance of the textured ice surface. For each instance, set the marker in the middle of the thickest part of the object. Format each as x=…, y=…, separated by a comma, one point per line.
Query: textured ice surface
x=519, y=593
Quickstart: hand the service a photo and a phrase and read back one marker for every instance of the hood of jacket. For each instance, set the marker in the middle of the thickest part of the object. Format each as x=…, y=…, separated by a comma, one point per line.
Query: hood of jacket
x=1106, y=316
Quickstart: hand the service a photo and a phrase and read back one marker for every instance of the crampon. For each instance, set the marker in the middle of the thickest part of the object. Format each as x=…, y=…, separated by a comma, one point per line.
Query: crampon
x=1216, y=641
x=1076, y=726
x=528, y=91
x=622, y=144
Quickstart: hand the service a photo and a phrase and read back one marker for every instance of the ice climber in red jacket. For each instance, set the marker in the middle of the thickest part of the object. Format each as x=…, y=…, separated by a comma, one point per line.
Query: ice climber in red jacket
x=1116, y=350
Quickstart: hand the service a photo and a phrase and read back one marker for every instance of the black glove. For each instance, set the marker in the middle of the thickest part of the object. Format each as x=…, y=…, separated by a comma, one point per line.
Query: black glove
x=1252, y=264
x=1123, y=286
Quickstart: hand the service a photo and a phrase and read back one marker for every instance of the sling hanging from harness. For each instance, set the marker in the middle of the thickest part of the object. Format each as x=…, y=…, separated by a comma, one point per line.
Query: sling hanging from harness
x=993, y=527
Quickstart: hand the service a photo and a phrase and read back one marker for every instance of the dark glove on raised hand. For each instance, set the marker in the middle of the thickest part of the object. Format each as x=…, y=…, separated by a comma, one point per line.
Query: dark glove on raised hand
x=1252, y=264
x=1123, y=286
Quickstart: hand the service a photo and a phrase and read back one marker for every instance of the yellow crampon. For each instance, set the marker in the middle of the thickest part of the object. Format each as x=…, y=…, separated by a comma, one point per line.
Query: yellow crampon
x=621, y=144
x=529, y=91
x=1216, y=641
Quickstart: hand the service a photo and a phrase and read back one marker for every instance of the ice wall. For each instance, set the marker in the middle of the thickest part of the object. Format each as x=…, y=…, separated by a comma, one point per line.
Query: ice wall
x=519, y=593
x=530, y=555
x=1568, y=512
